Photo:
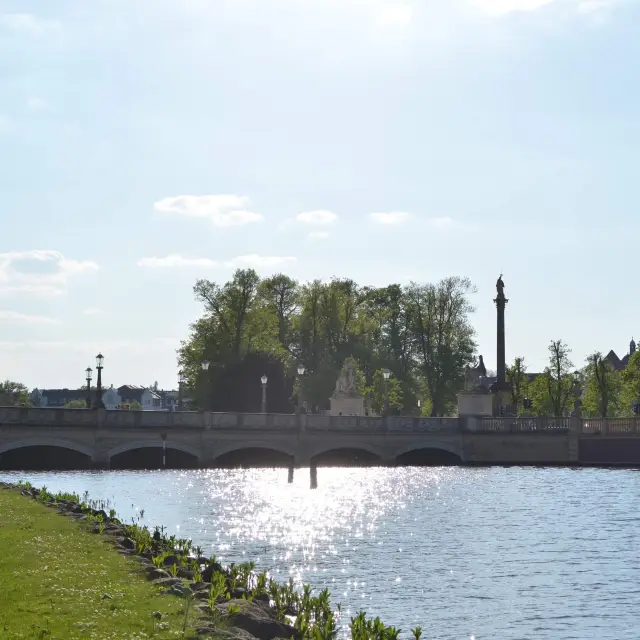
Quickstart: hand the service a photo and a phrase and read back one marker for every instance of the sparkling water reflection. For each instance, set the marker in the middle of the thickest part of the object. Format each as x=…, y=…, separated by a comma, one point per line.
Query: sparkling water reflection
x=468, y=553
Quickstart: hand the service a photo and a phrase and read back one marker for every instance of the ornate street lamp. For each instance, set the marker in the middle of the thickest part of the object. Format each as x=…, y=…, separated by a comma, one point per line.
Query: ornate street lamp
x=263, y=380
x=205, y=365
x=99, y=365
x=89, y=373
x=386, y=374
x=301, y=371
x=180, y=383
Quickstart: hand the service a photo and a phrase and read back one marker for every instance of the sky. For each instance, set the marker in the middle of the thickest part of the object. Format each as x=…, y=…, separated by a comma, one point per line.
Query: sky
x=148, y=143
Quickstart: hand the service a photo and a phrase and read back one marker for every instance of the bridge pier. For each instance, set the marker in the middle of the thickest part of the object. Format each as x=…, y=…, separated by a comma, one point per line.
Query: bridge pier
x=101, y=461
x=290, y=474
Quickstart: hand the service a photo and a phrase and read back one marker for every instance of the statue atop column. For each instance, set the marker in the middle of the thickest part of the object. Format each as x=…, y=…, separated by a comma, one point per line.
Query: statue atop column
x=500, y=287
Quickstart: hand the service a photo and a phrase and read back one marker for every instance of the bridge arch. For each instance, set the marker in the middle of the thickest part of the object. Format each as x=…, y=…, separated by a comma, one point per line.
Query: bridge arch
x=148, y=454
x=348, y=454
x=45, y=453
x=429, y=453
x=59, y=443
x=253, y=454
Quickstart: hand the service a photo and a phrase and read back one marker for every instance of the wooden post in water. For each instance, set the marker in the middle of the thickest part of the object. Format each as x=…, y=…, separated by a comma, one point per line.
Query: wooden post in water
x=164, y=450
x=313, y=473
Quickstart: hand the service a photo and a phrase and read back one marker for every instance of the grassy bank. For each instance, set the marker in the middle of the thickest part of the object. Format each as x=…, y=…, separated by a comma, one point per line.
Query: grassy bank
x=57, y=580
x=70, y=570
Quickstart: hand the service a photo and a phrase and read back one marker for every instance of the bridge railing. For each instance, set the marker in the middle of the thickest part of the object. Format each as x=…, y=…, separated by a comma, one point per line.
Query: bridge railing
x=610, y=426
x=523, y=425
x=118, y=419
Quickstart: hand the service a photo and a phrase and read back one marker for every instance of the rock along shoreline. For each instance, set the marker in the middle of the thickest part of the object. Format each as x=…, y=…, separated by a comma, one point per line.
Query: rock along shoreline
x=234, y=602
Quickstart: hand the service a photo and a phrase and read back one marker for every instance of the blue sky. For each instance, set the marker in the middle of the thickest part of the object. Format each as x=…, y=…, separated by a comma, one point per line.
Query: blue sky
x=147, y=143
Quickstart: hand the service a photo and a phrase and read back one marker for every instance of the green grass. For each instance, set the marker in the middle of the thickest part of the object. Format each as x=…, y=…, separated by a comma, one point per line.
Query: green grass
x=57, y=580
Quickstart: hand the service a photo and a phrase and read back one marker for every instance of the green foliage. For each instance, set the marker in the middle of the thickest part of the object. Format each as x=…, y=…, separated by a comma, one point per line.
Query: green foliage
x=630, y=384
x=14, y=394
x=421, y=333
x=377, y=394
x=553, y=392
x=602, y=387
x=517, y=377
x=76, y=404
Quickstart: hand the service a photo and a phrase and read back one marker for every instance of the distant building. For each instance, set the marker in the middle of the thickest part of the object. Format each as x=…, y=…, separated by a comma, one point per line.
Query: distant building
x=148, y=398
x=125, y=395
x=620, y=363
x=56, y=397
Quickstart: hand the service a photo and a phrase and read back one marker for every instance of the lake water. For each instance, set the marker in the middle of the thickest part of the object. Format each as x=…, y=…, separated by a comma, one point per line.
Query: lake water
x=470, y=554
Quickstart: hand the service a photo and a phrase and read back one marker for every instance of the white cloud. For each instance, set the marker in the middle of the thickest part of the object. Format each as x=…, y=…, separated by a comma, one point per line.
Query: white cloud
x=26, y=23
x=255, y=261
x=36, y=104
x=224, y=210
x=391, y=217
x=92, y=311
x=175, y=260
x=23, y=318
x=319, y=235
x=39, y=272
x=320, y=217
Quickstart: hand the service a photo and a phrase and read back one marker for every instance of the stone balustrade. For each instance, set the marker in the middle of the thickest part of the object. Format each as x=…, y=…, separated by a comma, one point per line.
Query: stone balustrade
x=208, y=420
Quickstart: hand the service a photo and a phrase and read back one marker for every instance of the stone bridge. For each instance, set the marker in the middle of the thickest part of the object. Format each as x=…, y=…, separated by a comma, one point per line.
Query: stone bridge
x=79, y=438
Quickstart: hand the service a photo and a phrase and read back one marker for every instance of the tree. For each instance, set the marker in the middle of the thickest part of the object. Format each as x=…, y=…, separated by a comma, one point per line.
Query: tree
x=602, y=387
x=551, y=392
x=14, y=394
x=630, y=384
x=250, y=326
x=443, y=337
x=377, y=394
x=517, y=377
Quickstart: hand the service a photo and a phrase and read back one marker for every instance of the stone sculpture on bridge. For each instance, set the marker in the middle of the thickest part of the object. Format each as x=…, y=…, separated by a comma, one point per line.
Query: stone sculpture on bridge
x=346, y=400
x=346, y=383
x=474, y=376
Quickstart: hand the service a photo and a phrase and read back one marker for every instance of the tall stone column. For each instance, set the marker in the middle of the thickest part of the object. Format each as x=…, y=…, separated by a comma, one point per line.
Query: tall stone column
x=501, y=303
x=500, y=388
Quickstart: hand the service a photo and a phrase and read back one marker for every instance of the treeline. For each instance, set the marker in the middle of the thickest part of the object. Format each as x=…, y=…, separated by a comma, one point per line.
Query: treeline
x=602, y=390
x=252, y=326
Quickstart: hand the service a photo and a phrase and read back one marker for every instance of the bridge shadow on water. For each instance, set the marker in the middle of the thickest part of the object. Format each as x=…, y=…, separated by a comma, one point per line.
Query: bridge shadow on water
x=153, y=458
x=428, y=458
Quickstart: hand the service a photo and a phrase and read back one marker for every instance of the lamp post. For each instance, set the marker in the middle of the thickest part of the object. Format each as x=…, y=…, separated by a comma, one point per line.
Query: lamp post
x=180, y=383
x=419, y=409
x=386, y=374
x=89, y=373
x=99, y=365
x=264, y=392
x=301, y=371
x=204, y=365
